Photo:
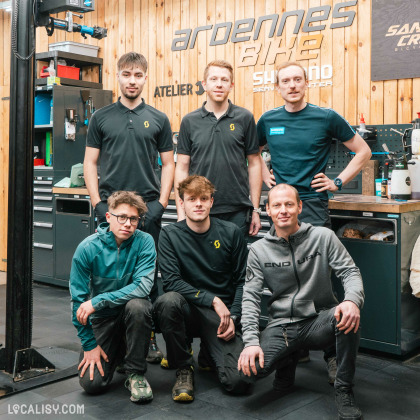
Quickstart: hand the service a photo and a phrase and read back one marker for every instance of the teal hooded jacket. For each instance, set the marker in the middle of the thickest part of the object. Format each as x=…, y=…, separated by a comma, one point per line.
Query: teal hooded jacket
x=109, y=276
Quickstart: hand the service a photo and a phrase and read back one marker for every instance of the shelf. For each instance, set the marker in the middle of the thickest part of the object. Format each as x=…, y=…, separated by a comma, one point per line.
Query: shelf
x=43, y=127
x=45, y=88
x=78, y=59
x=71, y=82
x=43, y=167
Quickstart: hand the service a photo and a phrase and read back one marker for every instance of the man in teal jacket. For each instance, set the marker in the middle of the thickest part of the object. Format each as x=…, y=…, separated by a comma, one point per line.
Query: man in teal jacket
x=111, y=277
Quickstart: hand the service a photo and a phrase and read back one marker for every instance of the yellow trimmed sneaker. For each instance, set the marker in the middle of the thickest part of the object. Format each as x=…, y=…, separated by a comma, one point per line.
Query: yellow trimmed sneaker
x=183, y=390
x=139, y=387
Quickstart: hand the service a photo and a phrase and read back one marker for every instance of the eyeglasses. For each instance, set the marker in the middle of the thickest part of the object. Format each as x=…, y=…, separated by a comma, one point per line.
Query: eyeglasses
x=122, y=219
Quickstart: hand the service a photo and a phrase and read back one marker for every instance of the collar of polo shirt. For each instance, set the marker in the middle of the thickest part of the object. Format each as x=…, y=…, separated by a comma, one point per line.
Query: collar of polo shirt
x=230, y=112
x=123, y=109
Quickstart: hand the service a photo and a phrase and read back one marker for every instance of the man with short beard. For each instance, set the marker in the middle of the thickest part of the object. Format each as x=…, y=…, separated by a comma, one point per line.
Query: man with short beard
x=125, y=138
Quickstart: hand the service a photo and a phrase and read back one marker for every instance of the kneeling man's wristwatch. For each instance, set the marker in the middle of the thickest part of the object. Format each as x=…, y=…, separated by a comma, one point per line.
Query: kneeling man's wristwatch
x=234, y=318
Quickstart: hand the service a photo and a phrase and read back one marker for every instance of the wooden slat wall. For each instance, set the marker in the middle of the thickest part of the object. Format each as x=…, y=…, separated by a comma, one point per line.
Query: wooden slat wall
x=148, y=26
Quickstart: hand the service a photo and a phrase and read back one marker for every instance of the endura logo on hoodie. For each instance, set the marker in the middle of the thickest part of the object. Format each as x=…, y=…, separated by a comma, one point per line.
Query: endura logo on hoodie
x=288, y=263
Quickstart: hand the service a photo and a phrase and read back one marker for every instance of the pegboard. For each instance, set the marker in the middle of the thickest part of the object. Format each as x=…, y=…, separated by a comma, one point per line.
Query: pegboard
x=340, y=156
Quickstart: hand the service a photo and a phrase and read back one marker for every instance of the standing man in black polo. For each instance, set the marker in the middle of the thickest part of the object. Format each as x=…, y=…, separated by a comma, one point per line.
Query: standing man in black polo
x=125, y=138
x=219, y=141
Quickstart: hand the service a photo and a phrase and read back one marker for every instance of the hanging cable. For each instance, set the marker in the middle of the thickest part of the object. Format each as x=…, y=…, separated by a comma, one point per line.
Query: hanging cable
x=15, y=15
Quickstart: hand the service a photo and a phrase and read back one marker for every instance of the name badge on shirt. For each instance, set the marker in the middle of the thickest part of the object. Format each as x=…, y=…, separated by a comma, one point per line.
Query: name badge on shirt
x=276, y=130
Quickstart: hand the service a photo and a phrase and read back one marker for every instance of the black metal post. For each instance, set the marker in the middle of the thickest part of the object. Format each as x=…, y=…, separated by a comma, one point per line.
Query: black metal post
x=19, y=243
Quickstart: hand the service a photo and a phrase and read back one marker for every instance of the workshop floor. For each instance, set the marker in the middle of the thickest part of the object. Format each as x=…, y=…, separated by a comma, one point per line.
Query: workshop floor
x=385, y=388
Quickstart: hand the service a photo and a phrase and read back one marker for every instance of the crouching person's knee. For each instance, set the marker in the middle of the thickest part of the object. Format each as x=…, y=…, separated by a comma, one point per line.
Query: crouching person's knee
x=96, y=386
x=139, y=308
x=235, y=383
x=167, y=309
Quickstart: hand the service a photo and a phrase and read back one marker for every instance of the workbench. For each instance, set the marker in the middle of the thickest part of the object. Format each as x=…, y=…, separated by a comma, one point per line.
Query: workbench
x=391, y=314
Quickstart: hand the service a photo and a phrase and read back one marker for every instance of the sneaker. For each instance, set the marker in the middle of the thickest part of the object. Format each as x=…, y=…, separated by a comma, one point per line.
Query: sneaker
x=346, y=405
x=183, y=389
x=285, y=375
x=332, y=369
x=154, y=355
x=139, y=387
x=165, y=364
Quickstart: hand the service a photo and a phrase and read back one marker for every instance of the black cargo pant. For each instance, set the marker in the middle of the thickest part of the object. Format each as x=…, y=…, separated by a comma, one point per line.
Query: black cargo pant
x=127, y=335
x=240, y=218
x=280, y=342
x=151, y=223
x=178, y=320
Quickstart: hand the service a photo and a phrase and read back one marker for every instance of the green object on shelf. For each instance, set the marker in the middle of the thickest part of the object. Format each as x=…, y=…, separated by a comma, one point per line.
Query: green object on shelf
x=48, y=149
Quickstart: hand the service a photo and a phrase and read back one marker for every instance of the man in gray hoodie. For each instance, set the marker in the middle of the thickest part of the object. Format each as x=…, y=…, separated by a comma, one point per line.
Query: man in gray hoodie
x=295, y=261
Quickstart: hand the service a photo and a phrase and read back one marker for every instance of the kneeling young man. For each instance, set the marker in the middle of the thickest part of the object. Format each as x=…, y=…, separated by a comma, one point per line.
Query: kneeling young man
x=295, y=261
x=202, y=261
x=111, y=277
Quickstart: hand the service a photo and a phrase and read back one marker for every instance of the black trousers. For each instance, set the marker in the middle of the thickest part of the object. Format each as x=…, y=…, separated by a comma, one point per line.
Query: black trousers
x=315, y=211
x=178, y=320
x=240, y=218
x=280, y=342
x=151, y=223
x=127, y=335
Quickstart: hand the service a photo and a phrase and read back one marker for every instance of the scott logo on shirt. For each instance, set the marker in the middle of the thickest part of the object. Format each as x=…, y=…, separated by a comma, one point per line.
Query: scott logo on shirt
x=232, y=127
x=146, y=124
x=217, y=244
x=288, y=263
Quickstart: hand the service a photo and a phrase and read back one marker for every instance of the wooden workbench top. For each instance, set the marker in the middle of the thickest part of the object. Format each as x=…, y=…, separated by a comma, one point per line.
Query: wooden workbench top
x=371, y=203
x=339, y=202
x=76, y=191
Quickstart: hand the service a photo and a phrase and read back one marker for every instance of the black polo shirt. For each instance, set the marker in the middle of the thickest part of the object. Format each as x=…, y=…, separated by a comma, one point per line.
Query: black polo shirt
x=129, y=141
x=218, y=149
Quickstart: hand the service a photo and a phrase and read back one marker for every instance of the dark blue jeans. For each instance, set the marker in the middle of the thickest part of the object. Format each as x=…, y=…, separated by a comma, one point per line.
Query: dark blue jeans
x=127, y=335
x=178, y=320
x=317, y=333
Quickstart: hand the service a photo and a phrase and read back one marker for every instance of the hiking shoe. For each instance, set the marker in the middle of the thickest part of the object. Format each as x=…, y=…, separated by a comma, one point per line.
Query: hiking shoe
x=285, y=374
x=139, y=387
x=183, y=390
x=165, y=364
x=332, y=369
x=154, y=355
x=346, y=405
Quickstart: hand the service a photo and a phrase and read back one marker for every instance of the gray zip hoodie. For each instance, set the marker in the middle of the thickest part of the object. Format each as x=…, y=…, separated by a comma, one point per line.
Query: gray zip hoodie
x=298, y=274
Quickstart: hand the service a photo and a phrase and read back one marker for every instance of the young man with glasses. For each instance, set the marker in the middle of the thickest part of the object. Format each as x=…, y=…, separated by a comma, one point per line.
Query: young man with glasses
x=111, y=278
x=124, y=139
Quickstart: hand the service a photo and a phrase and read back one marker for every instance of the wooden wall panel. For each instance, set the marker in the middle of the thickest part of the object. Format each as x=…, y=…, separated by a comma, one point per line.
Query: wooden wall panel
x=149, y=26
